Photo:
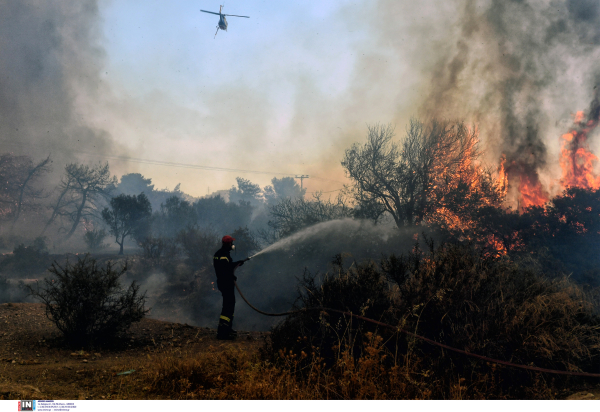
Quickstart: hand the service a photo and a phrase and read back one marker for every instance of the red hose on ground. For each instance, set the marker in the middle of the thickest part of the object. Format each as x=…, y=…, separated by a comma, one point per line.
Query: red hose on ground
x=397, y=329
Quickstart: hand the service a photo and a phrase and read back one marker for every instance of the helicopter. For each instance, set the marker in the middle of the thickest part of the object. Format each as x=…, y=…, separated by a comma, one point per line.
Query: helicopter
x=222, y=20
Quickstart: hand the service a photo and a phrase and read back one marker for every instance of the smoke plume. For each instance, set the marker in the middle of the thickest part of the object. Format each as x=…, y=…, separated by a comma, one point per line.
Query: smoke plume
x=517, y=69
x=50, y=61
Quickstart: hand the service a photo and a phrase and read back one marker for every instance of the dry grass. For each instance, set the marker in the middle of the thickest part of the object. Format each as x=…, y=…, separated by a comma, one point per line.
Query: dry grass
x=377, y=374
x=237, y=374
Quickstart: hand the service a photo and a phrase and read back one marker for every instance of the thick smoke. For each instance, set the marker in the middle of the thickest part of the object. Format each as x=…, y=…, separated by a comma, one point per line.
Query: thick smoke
x=514, y=68
x=50, y=61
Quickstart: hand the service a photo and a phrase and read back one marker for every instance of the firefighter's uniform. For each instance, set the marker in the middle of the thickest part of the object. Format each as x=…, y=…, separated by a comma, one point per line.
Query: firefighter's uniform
x=224, y=268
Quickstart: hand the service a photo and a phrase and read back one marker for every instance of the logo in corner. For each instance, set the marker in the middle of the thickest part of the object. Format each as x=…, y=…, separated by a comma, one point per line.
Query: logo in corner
x=27, y=405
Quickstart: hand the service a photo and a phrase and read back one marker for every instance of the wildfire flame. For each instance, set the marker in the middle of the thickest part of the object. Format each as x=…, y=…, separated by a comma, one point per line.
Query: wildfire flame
x=502, y=182
x=467, y=179
x=576, y=160
x=531, y=191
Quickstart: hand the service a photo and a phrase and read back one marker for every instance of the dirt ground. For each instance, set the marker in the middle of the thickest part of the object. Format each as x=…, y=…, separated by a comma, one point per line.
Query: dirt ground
x=33, y=364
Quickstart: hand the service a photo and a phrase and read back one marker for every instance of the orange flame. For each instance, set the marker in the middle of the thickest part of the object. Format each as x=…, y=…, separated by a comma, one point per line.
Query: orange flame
x=576, y=160
x=531, y=191
x=494, y=247
x=502, y=181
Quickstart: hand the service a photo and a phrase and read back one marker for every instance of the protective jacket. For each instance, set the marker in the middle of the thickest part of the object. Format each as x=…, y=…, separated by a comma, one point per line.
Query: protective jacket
x=224, y=265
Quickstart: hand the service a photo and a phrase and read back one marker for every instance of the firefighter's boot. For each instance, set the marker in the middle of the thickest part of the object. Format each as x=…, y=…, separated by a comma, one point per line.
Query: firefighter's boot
x=231, y=330
x=224, y=329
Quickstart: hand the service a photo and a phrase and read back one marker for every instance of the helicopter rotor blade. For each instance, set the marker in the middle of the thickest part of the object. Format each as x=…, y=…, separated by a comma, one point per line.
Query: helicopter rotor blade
x=211, y=12
x=235, y=15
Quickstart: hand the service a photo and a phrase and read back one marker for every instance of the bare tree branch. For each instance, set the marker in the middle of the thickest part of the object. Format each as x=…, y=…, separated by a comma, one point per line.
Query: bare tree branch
x=81, y=189
x=416, y=182
x=28, y=194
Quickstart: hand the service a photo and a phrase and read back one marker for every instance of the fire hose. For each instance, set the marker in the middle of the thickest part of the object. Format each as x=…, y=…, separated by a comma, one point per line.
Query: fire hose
x=423, y=338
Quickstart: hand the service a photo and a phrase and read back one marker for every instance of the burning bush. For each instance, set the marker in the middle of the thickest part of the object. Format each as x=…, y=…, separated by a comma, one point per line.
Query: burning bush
x=433, y=176
x=88, y=304
x=453, y=295
x=563, y=235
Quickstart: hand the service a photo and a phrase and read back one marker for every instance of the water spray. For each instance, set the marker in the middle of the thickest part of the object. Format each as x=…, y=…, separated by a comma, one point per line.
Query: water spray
x=339, y=227
x=256, y=254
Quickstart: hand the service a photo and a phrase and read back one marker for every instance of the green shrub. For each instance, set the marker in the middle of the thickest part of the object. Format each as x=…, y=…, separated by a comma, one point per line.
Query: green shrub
x=88, y=304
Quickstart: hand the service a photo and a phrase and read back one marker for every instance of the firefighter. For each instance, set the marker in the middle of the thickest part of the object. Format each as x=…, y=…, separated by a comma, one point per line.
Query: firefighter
x=224, y=268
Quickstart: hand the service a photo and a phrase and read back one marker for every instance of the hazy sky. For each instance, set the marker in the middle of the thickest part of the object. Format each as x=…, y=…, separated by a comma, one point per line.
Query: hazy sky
x=289, y=89
x=275, y=93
